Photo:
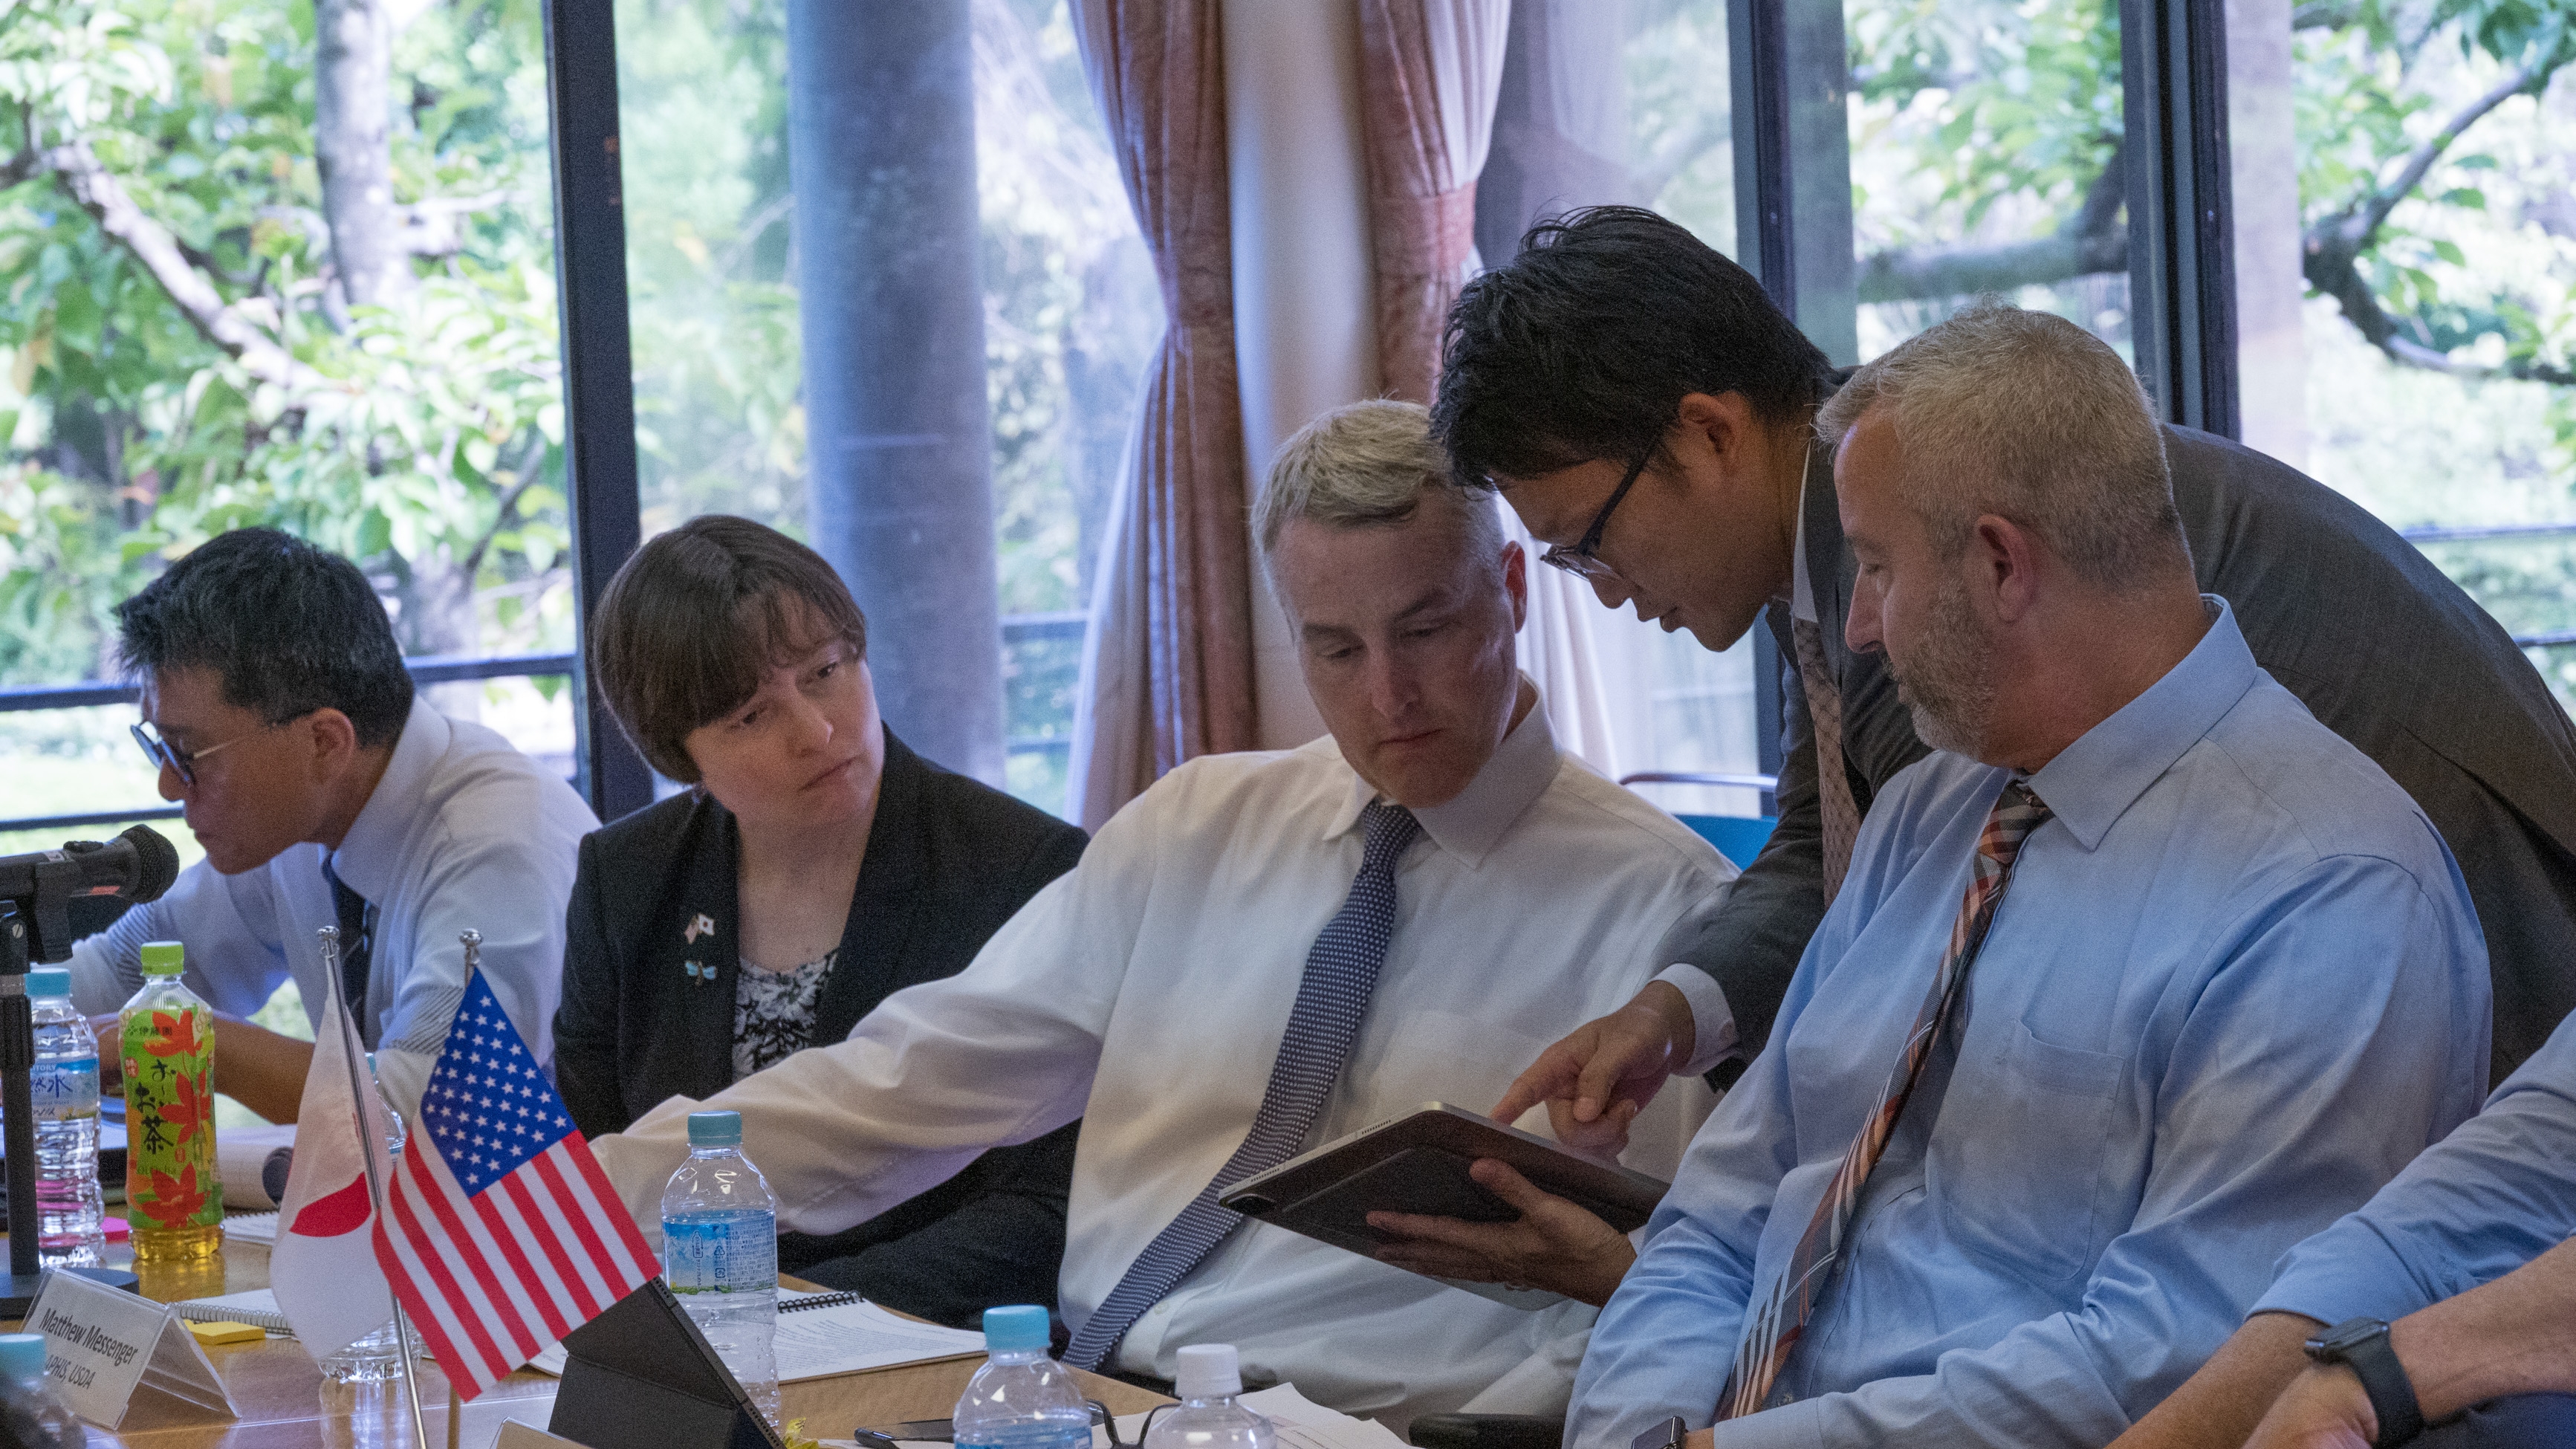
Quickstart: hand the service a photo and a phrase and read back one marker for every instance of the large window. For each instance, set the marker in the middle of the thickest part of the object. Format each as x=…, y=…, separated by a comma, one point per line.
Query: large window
x=718, y=273
x=232, y=298
x=1986, y=158
x=2406, y=251
x=200, y=333
x=1628, y=103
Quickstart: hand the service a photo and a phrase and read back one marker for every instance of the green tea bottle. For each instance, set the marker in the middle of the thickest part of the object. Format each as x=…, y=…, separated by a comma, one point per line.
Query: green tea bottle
x=174, y=1203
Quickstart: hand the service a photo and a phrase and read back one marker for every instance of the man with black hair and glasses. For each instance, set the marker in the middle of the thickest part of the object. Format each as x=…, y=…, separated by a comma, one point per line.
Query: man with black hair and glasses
x=1644, y=407
x=325, y=793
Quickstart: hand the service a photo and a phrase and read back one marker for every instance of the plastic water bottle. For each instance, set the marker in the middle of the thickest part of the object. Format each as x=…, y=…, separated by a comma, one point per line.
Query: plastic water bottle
x=1020, y=1398
x=720, y=1253
x=1209, y=1417
x=69, y=1210
x=378, y=1356
x=30, y=1412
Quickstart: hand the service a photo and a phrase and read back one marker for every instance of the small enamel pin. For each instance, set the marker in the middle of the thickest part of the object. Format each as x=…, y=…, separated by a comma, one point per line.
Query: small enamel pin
x=698, y=975
x=704, y=925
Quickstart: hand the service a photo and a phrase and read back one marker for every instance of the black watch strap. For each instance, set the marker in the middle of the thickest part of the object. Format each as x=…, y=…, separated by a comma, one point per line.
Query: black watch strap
x=1667, y=1433
x=2361, y=1344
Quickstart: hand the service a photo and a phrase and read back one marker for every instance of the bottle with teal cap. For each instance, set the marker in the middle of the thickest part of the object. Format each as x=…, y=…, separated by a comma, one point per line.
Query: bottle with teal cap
x=1021, y=1398
x=70, y=1215
x=30, y=1412
x=720, y=1253
x=172, y=1195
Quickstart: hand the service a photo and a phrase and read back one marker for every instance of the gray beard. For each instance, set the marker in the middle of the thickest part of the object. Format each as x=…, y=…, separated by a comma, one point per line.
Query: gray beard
x=1948, y=688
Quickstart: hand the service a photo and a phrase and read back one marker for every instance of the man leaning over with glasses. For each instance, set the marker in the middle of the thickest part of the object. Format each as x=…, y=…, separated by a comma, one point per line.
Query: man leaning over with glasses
x=1643, y=406
x=325, y=793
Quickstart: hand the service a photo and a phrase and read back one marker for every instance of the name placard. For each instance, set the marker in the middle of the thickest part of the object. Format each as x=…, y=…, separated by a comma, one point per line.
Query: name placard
x=105, y=1346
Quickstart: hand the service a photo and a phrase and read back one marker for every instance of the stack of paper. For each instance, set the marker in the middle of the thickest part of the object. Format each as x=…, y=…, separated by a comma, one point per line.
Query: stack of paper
x=846, y=1338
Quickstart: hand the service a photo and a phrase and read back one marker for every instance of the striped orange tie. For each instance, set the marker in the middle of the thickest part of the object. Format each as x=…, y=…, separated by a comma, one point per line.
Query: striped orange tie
x=1783, y=1314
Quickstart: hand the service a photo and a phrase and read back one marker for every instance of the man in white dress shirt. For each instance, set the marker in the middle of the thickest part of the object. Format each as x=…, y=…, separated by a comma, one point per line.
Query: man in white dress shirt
x=1171, y=989
x=326, y=793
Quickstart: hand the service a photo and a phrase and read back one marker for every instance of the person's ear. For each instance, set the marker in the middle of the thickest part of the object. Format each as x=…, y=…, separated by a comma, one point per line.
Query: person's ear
x=1516, y=581
x=2004, y=558
x=1711, y=431
x=334, y=740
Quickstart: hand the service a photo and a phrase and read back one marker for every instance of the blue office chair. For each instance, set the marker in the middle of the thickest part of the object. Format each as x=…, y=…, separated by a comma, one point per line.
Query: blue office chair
x=1737, y=837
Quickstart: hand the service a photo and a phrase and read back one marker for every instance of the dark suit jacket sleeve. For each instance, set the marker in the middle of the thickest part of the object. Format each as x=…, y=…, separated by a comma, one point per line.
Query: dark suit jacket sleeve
x=586, y=1022
x=1751, y=945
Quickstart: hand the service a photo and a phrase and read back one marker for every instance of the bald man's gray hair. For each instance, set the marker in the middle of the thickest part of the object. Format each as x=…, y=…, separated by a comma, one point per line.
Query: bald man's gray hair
x=1363, y=465
x=2029, y=417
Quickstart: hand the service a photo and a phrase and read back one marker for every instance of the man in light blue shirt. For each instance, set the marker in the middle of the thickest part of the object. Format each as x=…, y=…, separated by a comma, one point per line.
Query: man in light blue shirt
x=2236, y=982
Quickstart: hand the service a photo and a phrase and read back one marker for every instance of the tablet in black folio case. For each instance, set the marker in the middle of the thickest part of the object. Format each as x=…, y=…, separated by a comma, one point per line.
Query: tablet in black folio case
x=1418, y=1163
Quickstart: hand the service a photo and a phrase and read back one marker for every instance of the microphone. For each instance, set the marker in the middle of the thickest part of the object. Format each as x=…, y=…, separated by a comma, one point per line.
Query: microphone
x=38, y=887
x=138, y=865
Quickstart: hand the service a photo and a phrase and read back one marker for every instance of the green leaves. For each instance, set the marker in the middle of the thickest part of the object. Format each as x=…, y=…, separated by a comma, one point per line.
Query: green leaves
x=135, y=437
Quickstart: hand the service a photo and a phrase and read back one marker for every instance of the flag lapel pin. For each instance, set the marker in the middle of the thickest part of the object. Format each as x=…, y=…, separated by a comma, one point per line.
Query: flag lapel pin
x=702, y=925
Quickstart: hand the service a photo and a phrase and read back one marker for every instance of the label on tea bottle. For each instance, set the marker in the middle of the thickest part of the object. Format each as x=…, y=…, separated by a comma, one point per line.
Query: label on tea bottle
x=169, y=1060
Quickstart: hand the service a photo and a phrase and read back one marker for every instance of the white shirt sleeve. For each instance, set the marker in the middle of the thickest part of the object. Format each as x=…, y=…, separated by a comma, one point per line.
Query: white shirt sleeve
x=511, y=889
x=1713, y=1034
x=1000, y=1053
x=228, y=925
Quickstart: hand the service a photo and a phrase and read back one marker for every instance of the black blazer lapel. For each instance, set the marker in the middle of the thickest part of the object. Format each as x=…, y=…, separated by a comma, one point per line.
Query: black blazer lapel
x=698, y=952
x=875, y=942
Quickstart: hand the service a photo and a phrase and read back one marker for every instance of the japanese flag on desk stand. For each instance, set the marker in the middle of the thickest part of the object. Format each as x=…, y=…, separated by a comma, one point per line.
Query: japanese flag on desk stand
x=500, y=1233
x=323, y=1269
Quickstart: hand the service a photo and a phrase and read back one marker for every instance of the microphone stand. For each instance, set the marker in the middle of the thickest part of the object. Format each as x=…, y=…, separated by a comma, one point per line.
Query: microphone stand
x=18, y=1123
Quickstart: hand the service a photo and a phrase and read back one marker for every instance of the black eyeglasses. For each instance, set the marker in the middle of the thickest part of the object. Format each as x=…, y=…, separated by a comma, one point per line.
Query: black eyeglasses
x=1579, y=560
x=184, y=762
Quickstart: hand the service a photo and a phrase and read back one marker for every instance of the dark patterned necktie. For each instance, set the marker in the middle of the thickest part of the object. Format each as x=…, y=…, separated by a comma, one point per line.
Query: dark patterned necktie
x=357, y=943
x=1781, y=1317
x=1332, y=997
x=1834, y=802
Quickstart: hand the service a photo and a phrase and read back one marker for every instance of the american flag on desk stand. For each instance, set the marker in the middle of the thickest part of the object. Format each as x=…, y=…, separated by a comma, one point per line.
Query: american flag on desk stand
x=501, y=1234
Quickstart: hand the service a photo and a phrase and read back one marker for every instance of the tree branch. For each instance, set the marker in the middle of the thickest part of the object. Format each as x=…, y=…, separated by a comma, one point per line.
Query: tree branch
x=2362, y=220
x=529, y=470
x=97, y=191
x=2333, y=247
x=2090, y=241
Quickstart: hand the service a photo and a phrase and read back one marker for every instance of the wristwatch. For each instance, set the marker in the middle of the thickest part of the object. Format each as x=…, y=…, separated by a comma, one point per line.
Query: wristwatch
x=2361, y=1344
x=1666, y=1434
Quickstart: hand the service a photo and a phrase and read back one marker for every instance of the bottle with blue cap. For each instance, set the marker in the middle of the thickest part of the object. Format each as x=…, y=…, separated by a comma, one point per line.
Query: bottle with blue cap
x=1210, y=1416
x=70, y=1213
x=30, y=1412
x=720, y=1253
x=1020, y=1398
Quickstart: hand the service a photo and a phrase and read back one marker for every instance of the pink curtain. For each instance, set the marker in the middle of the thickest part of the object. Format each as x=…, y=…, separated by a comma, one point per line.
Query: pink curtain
x=1430, y=71
x=1167, y=665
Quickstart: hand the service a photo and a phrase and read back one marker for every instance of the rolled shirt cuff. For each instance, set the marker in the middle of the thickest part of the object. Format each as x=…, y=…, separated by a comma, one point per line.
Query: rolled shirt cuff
x=1713, y=1036
x=1791, y=1426
x=2347, y=1271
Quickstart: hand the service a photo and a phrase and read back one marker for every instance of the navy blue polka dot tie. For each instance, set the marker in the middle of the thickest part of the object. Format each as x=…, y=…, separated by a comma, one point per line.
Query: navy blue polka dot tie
x=1332, y=998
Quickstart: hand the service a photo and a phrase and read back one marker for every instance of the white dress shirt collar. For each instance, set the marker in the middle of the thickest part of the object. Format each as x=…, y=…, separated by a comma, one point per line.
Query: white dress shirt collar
x=1470, y=825
x=369, y=860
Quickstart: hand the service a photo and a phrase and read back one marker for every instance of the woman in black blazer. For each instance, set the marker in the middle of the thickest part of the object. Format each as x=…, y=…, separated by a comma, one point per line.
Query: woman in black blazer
x=818, y=867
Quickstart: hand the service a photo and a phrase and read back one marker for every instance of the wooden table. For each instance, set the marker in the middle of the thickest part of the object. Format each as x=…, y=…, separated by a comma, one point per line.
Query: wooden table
x=285, y=1405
